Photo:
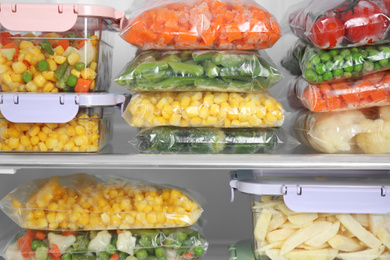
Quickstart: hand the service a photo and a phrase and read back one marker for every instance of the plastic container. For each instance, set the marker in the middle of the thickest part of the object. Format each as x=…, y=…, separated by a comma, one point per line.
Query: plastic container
x=204, y=109
x=57, y=47
x=171, y=244
x=318, y=218
x=349, y=132
x=89, y=202
x=51, y=123
x=226, y=71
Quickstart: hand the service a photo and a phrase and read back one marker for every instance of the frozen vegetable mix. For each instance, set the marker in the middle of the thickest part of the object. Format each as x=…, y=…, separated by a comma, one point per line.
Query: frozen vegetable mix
x=85, y=133
x=351, y=131
x=320, y=66
x=48, y=63
x=338, y=23
x=234, y=71
x=368, y=91
x=88, y=202
x=204, y=109
x=280, y=233
x=169, y=244
x=195, y=24
x=208, y=140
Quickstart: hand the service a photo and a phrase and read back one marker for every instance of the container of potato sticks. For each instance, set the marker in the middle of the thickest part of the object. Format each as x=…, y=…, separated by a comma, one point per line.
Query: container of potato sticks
x=333, y=217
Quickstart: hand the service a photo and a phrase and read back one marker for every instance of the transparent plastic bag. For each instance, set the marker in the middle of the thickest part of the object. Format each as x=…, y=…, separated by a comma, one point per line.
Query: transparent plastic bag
x=334, y=65
x=292, y=60
x=280, y=233
x=337, y=23
x=368, y=91
x=352, y=131
x=179, y=140
x=233, y=71
x=88, y=202
x=198, y=24
x=204, y=109
x=175, y=244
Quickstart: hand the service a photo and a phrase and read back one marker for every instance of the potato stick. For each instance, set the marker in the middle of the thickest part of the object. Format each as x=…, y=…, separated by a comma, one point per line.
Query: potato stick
x=345, y=243
x=279, y=234
x=384, y=236
x=302, y=219
x=369, y=254
x=324, y=236
x=376, y=222
x=262, y=224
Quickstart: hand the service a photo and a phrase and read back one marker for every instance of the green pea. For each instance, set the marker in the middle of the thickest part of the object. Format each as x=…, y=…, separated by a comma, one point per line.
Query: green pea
x=358, y=67
x=111, y=249
x=316, y=60
x=338, y=73
x=370, y=48
x=311, y=75
x=141, y=254
x=66, y=257
x=347, y=74
x=79, y=66
x=368, y=66
x=320, y=69
x=345, y=52
x=377, y=66
x=358, y=58
x=309, y=65
x=26, y=76
x=37, y=243
x=354, y=50
x=329, y=66
x=325, y=57
x=71, y=35
x=159, y=251
x=386, y=52
x=333, y=52
x=72, y=81
x=319, y=79
x=182, y=236
x=198, y=251
x=383, y=62
x=43, y=65
x=327, y=76
x=338, y=60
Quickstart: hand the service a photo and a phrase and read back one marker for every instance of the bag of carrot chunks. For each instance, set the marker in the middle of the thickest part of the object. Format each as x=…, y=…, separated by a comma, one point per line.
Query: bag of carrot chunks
x=201, y=24
x=368, y=91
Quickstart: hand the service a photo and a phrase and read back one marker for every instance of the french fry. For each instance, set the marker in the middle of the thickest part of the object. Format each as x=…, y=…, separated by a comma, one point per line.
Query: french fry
x=262, y=224
x=385, y=256
x=384, y=236
x=319, y=254
x=345, y=244
x=358, y=230
x=278, y=218
x=362, y=219
x=369, y=254
x=283, y=208
x=270, y=246
x=267, y=204
x=303, y=235
x=279, y=234
x=331, y=218
x=376, y=222
x=303, y=246
x=302, y=219
x=290, y=225
x=324, y=236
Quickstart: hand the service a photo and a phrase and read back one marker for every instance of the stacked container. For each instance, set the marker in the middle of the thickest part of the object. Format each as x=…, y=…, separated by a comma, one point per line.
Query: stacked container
x=344, y=58
x=203, y=88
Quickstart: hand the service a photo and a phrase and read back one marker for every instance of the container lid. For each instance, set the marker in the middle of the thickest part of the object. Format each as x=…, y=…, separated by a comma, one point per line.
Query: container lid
x=242, y=250
x=53, y=17
x=51, y=107
x=320, y=194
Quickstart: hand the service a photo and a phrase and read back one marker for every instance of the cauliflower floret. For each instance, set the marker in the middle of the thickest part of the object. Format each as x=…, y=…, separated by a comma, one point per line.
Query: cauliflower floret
x=63, y=242
x=100, y=242
x=126, y=242
x=375, y=138
x=333, y=132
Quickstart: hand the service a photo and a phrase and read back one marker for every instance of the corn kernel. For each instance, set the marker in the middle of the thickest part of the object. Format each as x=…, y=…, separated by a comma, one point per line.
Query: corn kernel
x=16, y=78
x=19, y=67
x=25, y=45
x=73, y=58
x=59, y=50
x=88, y=73
x=48, y=75
x=75, y=73
x=39, y=80
x=59, y=59
x=93, y=65
x=52, y=64
x=48, y=87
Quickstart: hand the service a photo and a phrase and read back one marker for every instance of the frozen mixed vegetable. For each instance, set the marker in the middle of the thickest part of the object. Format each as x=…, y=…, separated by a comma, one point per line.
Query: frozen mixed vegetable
x=233, y=71
x=158, y=244
x=320, y=66
x=368, y=91
x=202, y=109
x=167, y=139
x=195, y=24
x=85, y=133
x=87, y=202
x=351, y=131
x=48, y=63
x=337, y=23
x=280, y=233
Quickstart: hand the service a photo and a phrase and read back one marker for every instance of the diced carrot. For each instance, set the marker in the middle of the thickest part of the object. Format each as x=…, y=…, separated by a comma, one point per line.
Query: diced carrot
x=325, y=89
x=318, y=105
x=148, y=36
x=209, y=36
x=63, y=42
x=153, y=14
x=239, y=7
x=172, y=25
x=187, y=36
x=165, y=15
x=114, y=257
x=188, y=255
x=233, y=32
x=29, y=236
x=167, y=36
x=25, y=247
x=224, y=44
x=80, y=44
x=83, y=85
x=55, y=257
x=273, y=38
x=26, y=63
x=229, y=16
x=364, y=88
x=40, y=235
x=4, y=38
x=69, y=233
x=55, y=251
x=262, y=45
x=333, y=103
x=133, y=38
x=342, y=89
x=203, y=46
x=378, y=95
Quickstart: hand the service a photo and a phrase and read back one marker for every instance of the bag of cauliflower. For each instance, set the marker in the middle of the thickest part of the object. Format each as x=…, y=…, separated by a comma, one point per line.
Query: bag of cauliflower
x=88, y=202
x=175, y=243
x=352, y=131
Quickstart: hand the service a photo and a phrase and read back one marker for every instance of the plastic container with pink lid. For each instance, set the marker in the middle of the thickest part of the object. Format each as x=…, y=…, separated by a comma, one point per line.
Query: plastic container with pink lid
x=57, y=47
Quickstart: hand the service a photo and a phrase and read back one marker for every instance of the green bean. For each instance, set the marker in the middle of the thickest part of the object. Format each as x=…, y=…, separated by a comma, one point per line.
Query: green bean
x=181, y=68
x=212, y=70
x=151, y=67
x=46, y=46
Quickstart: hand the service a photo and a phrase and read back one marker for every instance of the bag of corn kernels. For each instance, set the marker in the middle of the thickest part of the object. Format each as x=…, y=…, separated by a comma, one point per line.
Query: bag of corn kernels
x=88, y=202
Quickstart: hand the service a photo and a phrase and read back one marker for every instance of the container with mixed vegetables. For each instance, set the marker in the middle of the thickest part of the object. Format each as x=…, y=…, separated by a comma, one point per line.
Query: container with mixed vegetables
x=149, y=244
x=49, y=62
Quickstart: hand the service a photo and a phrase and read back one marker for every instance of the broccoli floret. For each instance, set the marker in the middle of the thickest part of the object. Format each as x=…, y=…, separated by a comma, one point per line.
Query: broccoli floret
x=206, y=141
